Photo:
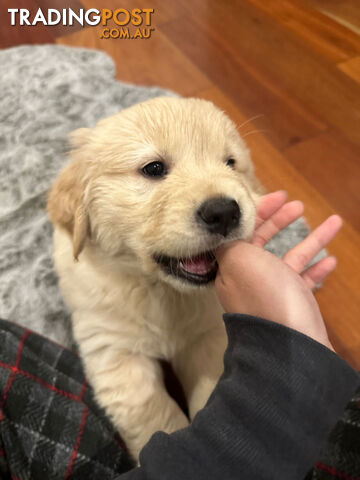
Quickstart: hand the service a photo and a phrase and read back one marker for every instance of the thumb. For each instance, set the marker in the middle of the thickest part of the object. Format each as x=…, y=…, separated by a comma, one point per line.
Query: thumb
x=235, y=259
x=235, y=252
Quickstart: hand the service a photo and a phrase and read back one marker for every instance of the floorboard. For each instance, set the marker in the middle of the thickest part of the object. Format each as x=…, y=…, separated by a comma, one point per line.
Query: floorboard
x=15, y=35
x=351, y=68
x=290, y=65
x=346, y=12
x=156, y=61
x=342, y=171
x=283, y=118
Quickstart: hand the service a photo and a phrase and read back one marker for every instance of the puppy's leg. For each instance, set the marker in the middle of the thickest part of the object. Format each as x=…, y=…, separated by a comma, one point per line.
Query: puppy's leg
x=199, y=367
x=128, y=385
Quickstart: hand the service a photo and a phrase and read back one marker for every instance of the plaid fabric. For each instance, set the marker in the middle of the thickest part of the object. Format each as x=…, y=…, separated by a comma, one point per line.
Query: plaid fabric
x=51, y=428
x=341, y=457
x=50, y=425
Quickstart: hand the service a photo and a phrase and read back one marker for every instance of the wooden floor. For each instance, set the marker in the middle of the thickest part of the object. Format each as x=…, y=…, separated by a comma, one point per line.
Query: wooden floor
x=293, y=67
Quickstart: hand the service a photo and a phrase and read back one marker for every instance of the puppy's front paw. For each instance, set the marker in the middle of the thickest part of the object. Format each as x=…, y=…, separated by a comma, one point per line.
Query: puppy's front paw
x=136, y=443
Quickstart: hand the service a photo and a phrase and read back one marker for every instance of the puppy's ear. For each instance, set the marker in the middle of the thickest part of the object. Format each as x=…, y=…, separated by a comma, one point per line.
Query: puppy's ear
x=81, y=230
x=66, y=204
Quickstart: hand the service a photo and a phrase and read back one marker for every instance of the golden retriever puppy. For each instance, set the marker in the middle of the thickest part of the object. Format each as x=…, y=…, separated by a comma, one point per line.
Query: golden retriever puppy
x=148, y=196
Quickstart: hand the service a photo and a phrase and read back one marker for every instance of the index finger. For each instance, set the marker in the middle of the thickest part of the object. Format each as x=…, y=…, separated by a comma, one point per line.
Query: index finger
x=269, y=204
x=287, y=214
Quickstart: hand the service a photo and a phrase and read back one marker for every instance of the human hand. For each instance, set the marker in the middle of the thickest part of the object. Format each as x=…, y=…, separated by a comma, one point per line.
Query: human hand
x=253, y=281
x=274, y=214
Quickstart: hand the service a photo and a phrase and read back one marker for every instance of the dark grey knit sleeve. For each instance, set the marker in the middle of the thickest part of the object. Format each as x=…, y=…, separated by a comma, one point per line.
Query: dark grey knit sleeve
x=269, y=416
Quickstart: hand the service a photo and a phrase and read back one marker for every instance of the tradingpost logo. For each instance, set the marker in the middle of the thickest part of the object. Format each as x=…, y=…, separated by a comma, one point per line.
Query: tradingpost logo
x=119, y=23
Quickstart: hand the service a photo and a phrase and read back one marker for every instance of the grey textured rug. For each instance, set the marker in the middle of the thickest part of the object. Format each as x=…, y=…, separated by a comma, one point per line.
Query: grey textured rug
x=46, y=92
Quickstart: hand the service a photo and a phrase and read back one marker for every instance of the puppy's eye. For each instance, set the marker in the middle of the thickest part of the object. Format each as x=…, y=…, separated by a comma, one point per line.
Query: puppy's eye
x=230, y=162
x=154, y=169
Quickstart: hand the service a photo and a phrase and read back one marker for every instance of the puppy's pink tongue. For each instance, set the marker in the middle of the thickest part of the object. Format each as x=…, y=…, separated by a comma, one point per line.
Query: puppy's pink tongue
x=199, y=265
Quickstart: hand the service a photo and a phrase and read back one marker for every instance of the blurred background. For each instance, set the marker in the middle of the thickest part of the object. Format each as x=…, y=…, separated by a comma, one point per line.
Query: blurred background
x=287, y=72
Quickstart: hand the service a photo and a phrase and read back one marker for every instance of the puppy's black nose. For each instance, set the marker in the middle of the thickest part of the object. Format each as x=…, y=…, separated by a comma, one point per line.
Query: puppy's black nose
x=219, y=215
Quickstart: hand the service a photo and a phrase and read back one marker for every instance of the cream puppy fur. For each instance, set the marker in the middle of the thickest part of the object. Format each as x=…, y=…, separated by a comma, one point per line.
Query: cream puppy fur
x=149, y=194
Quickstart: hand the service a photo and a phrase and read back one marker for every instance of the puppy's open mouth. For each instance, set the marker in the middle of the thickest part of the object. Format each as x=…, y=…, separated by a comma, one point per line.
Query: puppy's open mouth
x=200, y=269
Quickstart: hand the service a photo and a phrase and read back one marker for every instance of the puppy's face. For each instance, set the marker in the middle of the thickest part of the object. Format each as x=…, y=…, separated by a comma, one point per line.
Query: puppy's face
x=163, y=184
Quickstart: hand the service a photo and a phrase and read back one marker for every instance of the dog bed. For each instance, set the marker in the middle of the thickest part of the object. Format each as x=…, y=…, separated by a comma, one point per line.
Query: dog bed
x=46, y=92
